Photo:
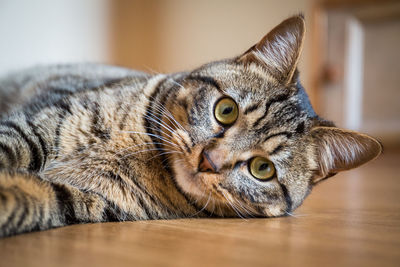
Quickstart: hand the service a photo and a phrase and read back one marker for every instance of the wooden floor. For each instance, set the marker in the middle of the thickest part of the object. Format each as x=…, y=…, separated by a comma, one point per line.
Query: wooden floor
x=351, y=220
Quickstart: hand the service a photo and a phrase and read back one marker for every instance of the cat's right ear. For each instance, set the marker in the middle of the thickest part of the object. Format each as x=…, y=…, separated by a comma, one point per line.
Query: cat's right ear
x=279, y=50
x=339, y=150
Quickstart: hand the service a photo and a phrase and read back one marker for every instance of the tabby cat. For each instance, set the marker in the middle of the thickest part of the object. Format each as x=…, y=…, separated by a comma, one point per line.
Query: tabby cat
x=233, y=138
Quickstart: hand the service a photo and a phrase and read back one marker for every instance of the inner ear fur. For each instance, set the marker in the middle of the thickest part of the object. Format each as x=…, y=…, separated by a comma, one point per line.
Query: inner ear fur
x=279, y=51
x=339, y=150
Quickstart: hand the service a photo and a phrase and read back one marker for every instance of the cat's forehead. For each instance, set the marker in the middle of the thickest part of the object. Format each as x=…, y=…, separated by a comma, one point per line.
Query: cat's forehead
x=267, y=105
x=246, y=84
x=246, y=77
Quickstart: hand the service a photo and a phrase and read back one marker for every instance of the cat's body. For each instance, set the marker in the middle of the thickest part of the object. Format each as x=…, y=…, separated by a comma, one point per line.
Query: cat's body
x=76, y=130
x=91, y=143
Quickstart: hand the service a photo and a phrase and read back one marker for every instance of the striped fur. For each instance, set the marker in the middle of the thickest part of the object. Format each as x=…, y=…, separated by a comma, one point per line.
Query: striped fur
x=92, y=143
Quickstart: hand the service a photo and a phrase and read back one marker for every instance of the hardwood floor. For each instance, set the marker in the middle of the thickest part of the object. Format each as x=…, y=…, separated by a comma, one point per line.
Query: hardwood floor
x=353, y=219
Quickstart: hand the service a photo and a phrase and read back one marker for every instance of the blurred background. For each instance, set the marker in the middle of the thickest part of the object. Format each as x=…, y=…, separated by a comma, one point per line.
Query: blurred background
x=350, y=64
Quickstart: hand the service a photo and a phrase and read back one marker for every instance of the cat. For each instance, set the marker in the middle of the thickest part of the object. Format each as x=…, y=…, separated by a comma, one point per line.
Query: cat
x=232, y=138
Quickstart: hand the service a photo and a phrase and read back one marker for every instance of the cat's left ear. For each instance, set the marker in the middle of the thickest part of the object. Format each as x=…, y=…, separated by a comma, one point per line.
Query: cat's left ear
x=339, y=150
x=280, y=49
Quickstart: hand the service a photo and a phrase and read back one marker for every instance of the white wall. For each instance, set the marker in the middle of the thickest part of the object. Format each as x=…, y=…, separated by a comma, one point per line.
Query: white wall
x=52, y=31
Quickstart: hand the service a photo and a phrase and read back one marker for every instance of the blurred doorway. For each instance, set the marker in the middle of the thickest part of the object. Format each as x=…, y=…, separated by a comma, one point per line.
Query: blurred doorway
x=356, y=66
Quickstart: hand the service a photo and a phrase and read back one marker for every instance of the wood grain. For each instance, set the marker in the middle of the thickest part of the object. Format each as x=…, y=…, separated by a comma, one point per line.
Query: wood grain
x=353, y=219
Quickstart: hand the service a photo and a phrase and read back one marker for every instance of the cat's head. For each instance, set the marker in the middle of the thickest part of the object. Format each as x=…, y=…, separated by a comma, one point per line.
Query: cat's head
x=251, y=142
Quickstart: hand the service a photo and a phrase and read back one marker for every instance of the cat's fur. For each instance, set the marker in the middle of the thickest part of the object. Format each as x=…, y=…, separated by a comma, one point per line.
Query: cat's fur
x=90, y=143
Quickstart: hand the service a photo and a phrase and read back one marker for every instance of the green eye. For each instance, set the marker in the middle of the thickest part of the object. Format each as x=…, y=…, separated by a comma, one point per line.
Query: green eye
x=226, y=111
x=261, y=168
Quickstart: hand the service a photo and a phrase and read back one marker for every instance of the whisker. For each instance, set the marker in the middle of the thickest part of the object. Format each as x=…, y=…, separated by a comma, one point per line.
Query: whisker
x=150, y=134
x=167, y=112
x=143, y=144
x=233, y=206
x=165, y=153
x=205, y=206
x=138, y=152
x=162, y=124
x=168, y=115
x=243, y=207
x=295, y=216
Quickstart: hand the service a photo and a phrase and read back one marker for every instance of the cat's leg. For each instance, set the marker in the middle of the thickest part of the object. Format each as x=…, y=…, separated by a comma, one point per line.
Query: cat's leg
x=29, y=203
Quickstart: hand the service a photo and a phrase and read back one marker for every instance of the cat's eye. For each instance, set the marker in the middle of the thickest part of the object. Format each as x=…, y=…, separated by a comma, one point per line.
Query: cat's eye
x=226, y=111
x=261, y=168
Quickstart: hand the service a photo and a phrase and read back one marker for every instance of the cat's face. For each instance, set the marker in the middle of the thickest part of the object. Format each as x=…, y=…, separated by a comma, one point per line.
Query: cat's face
x=257, y=155
x=252, y=145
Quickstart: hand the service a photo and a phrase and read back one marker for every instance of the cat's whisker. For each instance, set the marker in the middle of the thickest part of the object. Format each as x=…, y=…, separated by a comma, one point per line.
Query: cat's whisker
x=168, y=115
x=233, y=206
x=236, y=210
x=168, y=146
x=140, y=109
x=138, y=152
x=244, y=208
x=161, y=123
x=162, y=110
x=290, y=214
x=213, y=208
x=165, y=111
x=165, y=153
x=295, y=215
x=204, y=207
x=169, y=129
x=251, y=209
x=177, y=123
x=152, y=117
x=150, y=134
x=245, y=212
x=160, y=131
x=163, y=132
x=139, y=145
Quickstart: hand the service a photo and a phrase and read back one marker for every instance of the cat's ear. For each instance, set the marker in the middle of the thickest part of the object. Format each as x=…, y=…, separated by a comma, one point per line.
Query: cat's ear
x=280, y=49
x=339, y=150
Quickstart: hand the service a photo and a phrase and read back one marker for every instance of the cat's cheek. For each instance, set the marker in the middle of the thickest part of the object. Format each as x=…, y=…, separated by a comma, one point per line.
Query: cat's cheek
x=186, y=181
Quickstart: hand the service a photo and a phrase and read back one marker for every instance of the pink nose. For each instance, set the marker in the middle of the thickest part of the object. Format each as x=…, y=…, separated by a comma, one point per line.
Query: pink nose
x=206, y=164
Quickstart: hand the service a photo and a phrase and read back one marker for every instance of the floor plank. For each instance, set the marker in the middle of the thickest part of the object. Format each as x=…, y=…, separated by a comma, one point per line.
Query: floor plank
x=353, y=219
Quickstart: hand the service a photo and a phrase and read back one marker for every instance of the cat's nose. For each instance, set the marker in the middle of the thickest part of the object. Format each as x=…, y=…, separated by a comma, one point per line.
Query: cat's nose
x=206, y=164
